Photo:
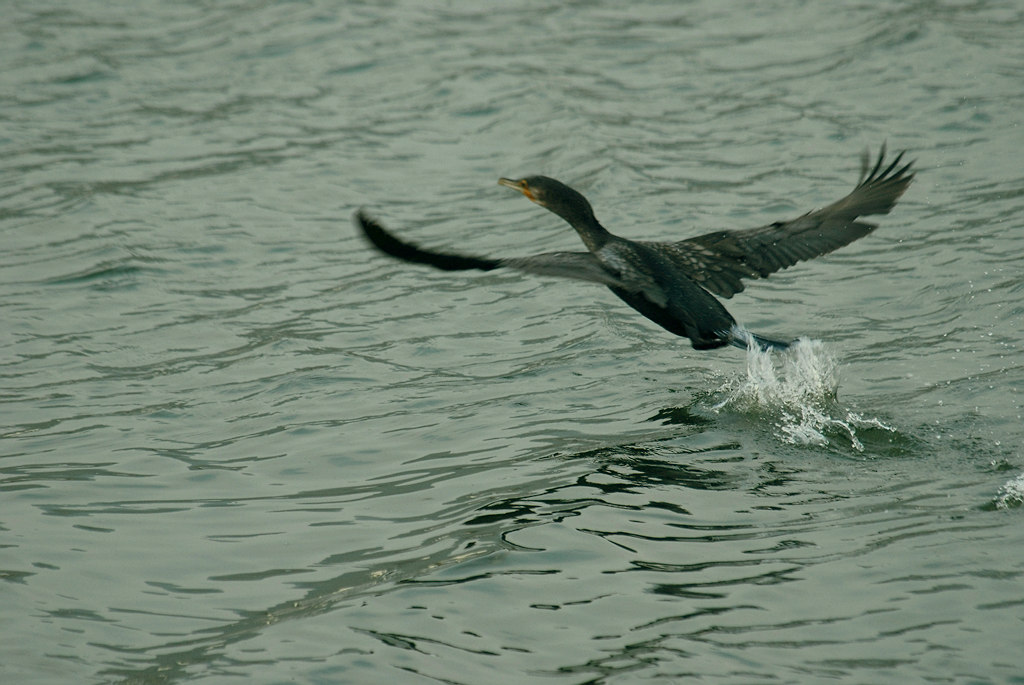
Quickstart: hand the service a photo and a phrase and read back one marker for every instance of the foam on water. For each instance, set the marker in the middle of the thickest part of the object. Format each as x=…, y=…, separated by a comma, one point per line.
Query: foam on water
x=1011, y=494
x=798, y=391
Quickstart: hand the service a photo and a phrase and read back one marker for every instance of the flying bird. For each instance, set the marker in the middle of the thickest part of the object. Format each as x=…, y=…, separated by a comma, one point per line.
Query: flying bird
x=674, y=283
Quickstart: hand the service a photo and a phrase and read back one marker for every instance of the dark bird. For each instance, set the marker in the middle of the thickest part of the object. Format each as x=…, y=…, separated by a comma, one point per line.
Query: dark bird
x=673, y=283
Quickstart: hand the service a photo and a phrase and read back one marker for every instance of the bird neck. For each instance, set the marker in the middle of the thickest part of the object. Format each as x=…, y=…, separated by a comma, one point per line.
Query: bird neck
x=594, y=235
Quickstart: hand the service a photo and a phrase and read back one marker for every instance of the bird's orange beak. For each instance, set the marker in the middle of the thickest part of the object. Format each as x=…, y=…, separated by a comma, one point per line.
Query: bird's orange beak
x=522, y=186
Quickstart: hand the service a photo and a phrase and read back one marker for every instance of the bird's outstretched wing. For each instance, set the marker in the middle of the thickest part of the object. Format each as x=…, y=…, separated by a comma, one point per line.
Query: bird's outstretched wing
x=718, y=261
x=581, y=266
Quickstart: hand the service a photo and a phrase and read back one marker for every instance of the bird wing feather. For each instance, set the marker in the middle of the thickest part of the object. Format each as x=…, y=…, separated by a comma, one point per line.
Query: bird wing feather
x=719, y=261
x=581, y=266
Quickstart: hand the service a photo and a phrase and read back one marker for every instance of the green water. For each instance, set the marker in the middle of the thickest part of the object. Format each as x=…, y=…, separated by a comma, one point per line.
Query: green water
x=238, y=446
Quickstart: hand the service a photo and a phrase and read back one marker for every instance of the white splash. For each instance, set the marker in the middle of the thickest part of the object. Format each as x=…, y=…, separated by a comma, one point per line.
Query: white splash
x=798, y=391
x=1011, y=495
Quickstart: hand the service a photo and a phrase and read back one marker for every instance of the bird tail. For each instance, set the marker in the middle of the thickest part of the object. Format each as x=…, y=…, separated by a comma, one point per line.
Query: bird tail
x=742, y=338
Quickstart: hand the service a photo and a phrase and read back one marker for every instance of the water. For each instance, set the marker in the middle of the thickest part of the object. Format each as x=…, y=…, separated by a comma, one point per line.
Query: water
x=237, y=446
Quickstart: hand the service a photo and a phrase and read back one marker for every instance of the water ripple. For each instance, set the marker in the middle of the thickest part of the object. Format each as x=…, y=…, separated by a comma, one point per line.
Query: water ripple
x=236, y=441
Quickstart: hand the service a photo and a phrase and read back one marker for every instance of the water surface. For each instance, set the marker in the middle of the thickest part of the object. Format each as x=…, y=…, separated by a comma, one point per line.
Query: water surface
x=237, y=446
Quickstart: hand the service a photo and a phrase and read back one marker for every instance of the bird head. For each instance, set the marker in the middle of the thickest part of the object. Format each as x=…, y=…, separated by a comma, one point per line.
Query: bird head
x=554, y=196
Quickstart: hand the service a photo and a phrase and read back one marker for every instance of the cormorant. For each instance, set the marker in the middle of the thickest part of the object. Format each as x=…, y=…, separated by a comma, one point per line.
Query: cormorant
x=671, y=283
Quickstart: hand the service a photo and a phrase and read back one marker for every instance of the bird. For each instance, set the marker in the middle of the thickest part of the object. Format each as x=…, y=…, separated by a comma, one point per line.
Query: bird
x=674, y=284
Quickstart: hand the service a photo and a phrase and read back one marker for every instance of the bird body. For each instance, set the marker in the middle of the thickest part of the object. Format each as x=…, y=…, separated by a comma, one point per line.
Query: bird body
x=655, y=285
x=674, y=283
